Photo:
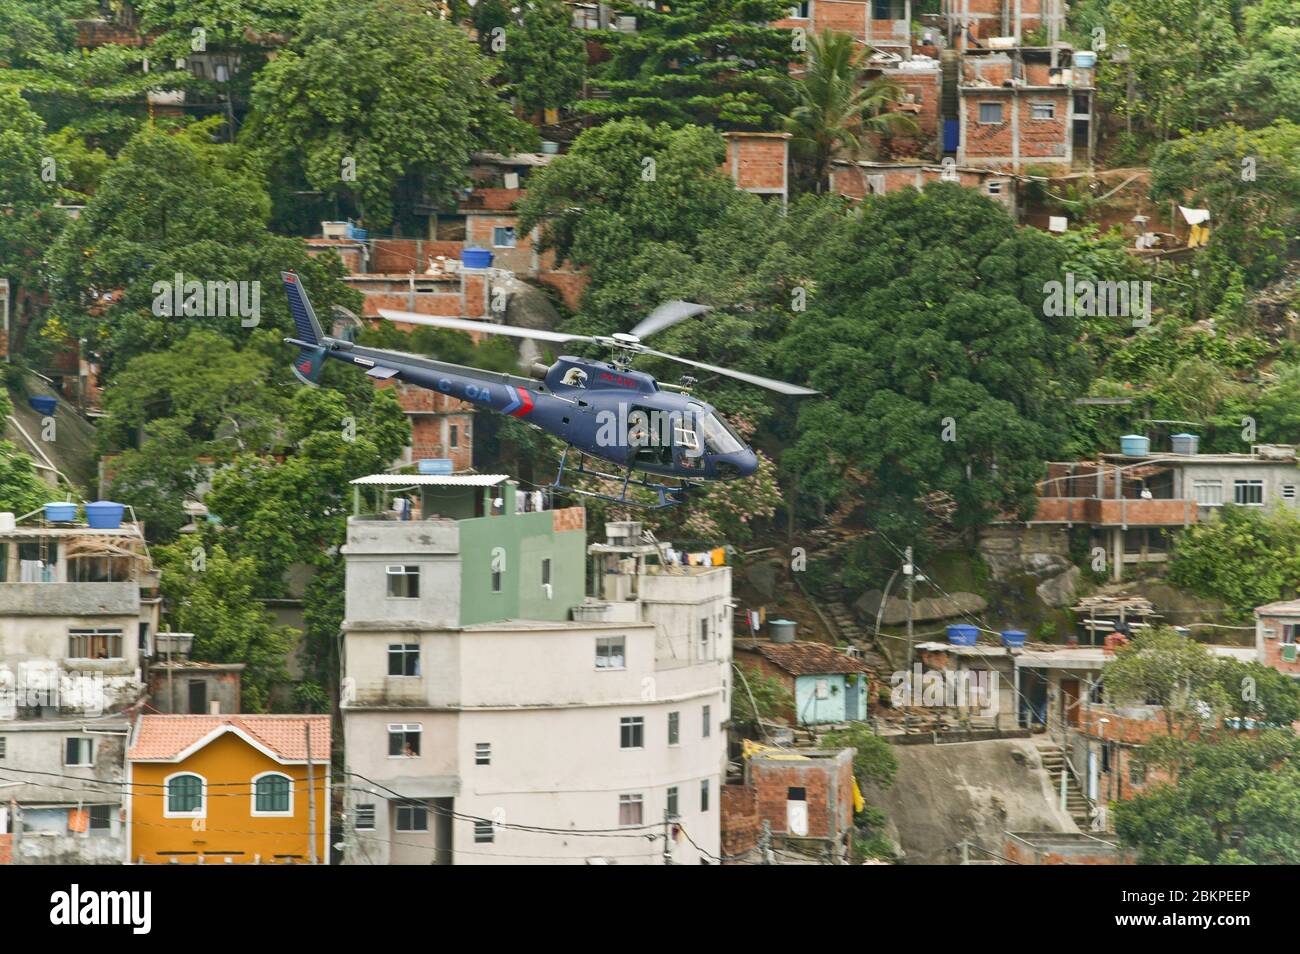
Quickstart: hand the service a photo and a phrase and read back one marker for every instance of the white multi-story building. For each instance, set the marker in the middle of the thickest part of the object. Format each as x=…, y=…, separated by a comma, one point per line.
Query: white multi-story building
x=78, y=610
x=493, y=715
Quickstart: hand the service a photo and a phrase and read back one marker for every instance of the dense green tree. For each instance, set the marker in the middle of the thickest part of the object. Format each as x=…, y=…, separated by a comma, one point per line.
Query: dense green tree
x=212, y=594
x=942, y=374
x=707, y=62
x=175, y=204
x=1176, y=49
x=1249, y=181
x=1229, y=801
x=373, y=92
x=836, y=106
x=1161, y=667
x=544, y=59
x=1245, y=558
x=759, y=698
x=21, y=489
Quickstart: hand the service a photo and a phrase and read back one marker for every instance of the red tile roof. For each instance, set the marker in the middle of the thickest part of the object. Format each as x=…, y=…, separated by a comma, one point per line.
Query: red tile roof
x=159, y=737
x=805, y=659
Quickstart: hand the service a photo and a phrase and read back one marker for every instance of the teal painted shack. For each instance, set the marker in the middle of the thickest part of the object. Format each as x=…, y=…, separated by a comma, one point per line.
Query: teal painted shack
x=827, y=684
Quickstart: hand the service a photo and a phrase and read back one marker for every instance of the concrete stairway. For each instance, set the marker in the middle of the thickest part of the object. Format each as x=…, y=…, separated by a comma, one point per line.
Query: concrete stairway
x=1075, y=801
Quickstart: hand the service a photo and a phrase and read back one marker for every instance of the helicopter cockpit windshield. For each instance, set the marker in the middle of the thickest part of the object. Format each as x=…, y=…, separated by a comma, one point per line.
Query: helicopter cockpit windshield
x=719, y=438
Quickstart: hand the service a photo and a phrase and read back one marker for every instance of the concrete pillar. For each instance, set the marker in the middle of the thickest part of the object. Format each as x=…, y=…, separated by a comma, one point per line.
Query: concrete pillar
x=1117, y=548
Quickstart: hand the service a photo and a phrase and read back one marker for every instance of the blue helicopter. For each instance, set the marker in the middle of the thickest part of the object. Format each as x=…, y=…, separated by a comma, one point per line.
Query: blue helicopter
x=603, y=410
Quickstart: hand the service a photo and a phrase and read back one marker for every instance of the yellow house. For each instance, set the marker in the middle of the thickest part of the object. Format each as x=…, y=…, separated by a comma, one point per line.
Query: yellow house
x=228, y=789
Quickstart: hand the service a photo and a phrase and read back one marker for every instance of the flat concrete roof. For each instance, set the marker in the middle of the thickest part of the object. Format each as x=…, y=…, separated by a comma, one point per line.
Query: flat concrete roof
x=431, y=480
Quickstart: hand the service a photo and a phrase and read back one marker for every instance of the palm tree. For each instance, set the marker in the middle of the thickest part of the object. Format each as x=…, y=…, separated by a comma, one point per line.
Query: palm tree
x=837, y=105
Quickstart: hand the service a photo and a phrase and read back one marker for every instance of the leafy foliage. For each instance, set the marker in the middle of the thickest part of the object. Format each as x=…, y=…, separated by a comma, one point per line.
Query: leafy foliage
x=704, y=62
x=381, y=90
x=1245, y=558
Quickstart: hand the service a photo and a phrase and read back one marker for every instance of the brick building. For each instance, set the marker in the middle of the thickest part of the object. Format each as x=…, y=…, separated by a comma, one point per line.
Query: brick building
x=804, y=797
x=877, y=23
x=759, y=162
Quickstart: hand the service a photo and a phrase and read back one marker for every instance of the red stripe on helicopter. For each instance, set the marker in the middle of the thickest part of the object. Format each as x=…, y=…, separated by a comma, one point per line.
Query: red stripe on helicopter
x=521, y=406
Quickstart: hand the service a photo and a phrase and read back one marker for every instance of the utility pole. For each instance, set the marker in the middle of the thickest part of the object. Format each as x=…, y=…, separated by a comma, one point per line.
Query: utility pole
x=668, y=838
x=765, y=843
x=311, y=800
x=909, y=571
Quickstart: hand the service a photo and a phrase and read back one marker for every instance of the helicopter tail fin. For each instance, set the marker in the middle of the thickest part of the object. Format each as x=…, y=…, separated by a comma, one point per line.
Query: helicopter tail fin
x=311, y=347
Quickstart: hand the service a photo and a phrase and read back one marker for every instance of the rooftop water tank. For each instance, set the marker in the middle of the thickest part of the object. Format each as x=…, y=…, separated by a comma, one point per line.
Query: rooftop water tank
x=1184, y=443
x=476, y=258
x=1085, y=59
x=104, y=515
x=44, y=405
x=1134, y=445
x=60, y=512
x=781, y=630
x=963, y=634
x=1013, y=638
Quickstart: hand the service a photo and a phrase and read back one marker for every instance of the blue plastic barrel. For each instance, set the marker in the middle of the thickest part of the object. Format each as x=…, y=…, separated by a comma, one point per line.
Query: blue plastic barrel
x=476, y=258
x=1013, y=638
x=44, y=405
x=1134, y=445
x=104, y=515
x=961, y=634
x=60, y=512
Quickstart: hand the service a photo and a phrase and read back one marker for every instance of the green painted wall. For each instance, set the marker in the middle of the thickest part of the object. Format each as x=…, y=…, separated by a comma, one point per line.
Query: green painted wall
x=525, y=539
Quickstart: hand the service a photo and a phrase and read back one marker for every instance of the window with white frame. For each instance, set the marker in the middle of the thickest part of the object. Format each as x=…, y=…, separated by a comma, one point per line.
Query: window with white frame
x=403, y=659
x=482, y=753
x=503, y=236
x=186, y=795
x=363, y=817
x=1208, y=493
x=631, y=732
x=272, y=794
x=404, y=740
x=1042, y=110
x=1248, y=493
x=403, y=582
x=95, y=644
x=630, y=810
x=484, y=832
x=78, y=752
x=674, y=727
x=609, y=652
x=672, y=801
x=990, y=114
x=412, y=816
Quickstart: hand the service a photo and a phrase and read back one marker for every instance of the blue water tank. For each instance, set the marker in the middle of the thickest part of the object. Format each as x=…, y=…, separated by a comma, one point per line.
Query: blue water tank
x=60, y=512
x=1134, y=445
x=1085, y=59
x=476, y=258
x=1013, y=638
x=961, y=634
x=44, y=405
x=104, y=515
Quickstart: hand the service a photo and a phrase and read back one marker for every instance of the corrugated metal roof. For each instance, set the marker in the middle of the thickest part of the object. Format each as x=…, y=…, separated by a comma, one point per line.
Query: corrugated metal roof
x=431, y=480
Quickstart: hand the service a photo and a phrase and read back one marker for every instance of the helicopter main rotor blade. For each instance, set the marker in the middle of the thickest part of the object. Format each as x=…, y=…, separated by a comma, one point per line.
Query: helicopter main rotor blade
x=484, y=327
x=771, y=384
x=667, y=315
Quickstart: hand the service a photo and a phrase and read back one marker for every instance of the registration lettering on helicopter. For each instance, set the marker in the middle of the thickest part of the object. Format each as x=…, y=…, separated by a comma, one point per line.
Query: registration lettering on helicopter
x=617, y=379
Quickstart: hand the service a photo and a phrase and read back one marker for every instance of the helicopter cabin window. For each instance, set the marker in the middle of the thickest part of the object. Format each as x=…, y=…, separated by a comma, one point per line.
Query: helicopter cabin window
x=650, y=443
x=718, y=435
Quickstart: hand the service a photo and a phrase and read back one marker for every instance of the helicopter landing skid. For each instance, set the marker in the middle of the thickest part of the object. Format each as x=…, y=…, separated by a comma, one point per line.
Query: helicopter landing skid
x=669, y=495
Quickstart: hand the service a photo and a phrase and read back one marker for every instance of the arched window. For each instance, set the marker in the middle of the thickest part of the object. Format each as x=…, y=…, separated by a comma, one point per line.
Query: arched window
x=272, y=794
x=186, y=796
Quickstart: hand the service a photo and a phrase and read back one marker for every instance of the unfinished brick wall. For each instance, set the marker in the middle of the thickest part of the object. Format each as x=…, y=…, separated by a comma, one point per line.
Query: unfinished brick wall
x=986, y=140
x=827, y=783
x=854, y=181
x=397, y=256
x=757, y=162
x=1273, y=644
x=741, y=825
x=569, y=518
x=1044, y=138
